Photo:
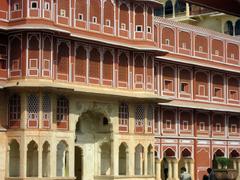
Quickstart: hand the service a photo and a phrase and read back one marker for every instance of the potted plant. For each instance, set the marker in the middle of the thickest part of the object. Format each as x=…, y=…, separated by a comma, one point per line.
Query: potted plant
x=224, y=172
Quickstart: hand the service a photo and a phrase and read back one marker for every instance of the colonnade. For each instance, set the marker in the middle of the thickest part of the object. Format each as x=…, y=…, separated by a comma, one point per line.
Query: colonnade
x=173, y=166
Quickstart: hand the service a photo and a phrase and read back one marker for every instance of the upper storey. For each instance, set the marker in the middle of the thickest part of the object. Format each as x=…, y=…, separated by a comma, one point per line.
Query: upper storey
x=84, y=18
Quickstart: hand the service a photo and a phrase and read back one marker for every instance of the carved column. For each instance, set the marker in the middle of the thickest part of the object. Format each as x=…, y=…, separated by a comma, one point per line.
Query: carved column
x=170, y=169
x=175, y=169
x=158, y=169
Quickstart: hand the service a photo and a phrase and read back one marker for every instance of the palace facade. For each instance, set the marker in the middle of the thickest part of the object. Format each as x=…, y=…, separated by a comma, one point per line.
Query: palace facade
x=105, y=90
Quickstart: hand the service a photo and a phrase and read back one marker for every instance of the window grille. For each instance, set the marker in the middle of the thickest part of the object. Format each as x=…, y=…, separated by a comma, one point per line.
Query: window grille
x=150, y=113
x=14, y=109
x=139, y=115
x=62, y=109
x=123, y=114
x=33, y=108
x=46, y=109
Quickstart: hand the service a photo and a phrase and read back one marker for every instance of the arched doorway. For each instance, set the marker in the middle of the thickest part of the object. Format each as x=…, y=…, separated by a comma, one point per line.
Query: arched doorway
x=217, y=154
x=186, y=161
x=91, y=129
x=169, y=164
x=78, y=163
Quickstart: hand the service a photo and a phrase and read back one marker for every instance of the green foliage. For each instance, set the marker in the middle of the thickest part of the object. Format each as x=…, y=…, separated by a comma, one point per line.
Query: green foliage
x=225, y=162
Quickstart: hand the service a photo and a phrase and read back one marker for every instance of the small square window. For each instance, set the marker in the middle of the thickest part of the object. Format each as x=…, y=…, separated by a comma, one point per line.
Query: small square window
x=47, y=6
x=16, y=7
x=200, y=49
x=218, y=127
x=80, y=16
x=138, y=28
x=232, y=55
x=185, y=125
x=94, y=19
x=63, y=12
x=233, y=128
x=108, y=22
x=34, y=5
x=216, y=52
x=184, y=87
x=168, y=124
x=149, y=29
x=217, y=92
x=167, y=41
x=202, y=126
x=123, y=26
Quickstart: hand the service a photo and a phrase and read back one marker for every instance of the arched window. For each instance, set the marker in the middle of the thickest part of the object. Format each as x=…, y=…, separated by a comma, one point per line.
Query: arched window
x=124, y=17
x=107, y=68
x=180, y=7
x=105, y=159
x=139, y=160
x=46, y=110
x=80, y=64
x=228, y=28
x=94, y=66
x=169, y=9
x=33, y=110
x=15, y=53
x=150, y=160
x=159, y=11
x=32, y=159
x=123, y=117
x=46, y=160
x=47, y=56
x=63, y=61
x=62, y=112
x=14, y=111
x=237, y=28
x=14, y=159
x=139, y=118
x=62, y=159
x=123, y=70
x=139, y=71
x=123, y=159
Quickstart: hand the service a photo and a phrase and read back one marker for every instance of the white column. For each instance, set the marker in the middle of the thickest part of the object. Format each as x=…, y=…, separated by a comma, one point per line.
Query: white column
x=53, y=160
x=71, y=164
x=169, y=169
x=131, y=161
x=192, y=168
x=7, y=163
x=175, y=169
x=40, y=162
x=145, y=162
x=127, y=162
x=158, y=169
x=238, y=168
x=23, y=159
x=114, y=158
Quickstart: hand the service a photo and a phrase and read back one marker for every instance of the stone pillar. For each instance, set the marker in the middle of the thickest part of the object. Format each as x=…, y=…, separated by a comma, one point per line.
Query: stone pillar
x=158, y=169
x=53, y=160
x=175, y=169
x=71, y=155
x=23, y=159
x=191, y=169
x=187, y=10
x=131, y=161
x=8, y=161
x=141, y=163
x=238, y=168
x=40, y=161
x=170, y=169
x=145, y=154
x=98, y=169
x=114, y=158
x=127, y=162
